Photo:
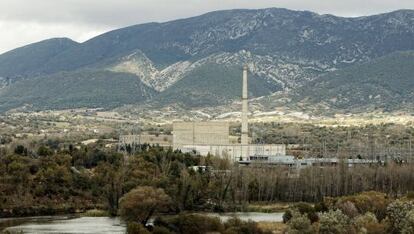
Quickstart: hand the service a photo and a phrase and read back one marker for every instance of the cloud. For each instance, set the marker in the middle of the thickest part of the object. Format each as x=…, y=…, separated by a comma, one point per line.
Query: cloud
x=26, y=21
x=15, y=34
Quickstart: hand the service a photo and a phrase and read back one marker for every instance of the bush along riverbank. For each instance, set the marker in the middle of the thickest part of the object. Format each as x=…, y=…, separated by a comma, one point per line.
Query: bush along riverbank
x=367, y=212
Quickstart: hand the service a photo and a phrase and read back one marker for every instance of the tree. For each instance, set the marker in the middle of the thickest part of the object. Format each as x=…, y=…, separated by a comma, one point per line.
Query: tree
x=143, y=202
x=109, y=179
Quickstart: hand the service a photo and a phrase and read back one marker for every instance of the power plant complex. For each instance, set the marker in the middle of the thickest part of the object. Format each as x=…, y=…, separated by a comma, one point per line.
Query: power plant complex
x=213, y=137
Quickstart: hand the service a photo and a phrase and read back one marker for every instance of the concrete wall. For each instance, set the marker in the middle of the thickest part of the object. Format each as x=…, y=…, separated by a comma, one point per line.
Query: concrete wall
x=200, y=133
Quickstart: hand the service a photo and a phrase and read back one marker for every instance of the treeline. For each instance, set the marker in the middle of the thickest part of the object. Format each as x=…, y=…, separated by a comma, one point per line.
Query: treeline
x=46, y=179
x=312, y=184
x=43, y=180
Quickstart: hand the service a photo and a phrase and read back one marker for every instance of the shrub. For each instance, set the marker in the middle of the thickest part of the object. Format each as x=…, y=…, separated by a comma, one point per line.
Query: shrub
x=410, y=195
x=44, y=151
x=305, y=208
x=333, y=222
x=363, y=220
x=397, y=212
x=20, y=150
x=236, y=226
x=376, y=228
x=96, y=213
x=287, y=216
x=136, y=228
x=161, y=230
x=191, y=223
x=368, y=223
x=321, y=207
x=299, y=224
x=371, y=201
x=302, y=208
x=408, y=223
x=348, y=208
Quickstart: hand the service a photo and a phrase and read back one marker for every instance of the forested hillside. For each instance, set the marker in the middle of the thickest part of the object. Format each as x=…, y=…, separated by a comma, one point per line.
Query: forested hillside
x=66, y=90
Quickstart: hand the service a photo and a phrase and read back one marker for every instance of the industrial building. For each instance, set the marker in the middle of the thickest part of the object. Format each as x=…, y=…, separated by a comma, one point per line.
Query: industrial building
x=200, y=133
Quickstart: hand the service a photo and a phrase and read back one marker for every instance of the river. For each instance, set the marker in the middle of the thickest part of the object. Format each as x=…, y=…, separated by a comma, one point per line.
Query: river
x=91, y=225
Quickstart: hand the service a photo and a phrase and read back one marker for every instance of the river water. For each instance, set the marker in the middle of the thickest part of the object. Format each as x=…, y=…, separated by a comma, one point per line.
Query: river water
x=63, y=225
x=92, y=225
x=246, y=216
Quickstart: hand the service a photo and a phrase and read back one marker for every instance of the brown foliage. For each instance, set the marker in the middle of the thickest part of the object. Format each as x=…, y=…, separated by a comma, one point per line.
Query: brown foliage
x=371, y=201
x=143, y=202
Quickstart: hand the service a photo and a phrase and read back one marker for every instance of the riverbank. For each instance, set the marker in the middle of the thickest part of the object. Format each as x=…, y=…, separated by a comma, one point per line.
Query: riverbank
x=99, y=210
x=20, y=212
x=270, y=207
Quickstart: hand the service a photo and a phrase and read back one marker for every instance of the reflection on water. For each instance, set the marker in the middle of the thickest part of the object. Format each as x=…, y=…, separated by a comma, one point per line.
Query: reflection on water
x=95, y=225
x=64, y=225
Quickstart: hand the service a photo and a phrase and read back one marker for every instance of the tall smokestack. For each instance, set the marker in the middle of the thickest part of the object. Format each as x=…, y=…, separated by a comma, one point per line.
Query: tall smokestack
x=245, y=127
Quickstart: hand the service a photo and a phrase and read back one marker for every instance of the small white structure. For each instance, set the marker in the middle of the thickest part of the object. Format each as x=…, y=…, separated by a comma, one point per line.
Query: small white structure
x=300, y=163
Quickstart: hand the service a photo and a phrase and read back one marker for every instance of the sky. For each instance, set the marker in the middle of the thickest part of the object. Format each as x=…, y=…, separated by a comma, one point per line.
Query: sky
x=26, y=21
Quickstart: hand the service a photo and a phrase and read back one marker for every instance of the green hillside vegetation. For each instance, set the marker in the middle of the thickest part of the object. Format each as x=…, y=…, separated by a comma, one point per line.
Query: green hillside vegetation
x=386, y=83
x=213, y=84
x=28, y=60
x=76, y=89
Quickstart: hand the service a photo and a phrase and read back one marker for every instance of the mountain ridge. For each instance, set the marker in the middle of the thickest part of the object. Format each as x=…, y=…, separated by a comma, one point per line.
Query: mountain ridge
x=283, y=48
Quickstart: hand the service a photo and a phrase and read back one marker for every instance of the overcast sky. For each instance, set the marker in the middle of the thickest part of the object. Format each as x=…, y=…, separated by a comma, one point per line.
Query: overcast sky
x=26, y=21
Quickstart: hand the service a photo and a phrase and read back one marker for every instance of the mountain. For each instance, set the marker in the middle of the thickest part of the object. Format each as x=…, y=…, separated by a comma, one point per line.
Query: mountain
x=28, y=60
x=190, y=61
x=385, y=84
